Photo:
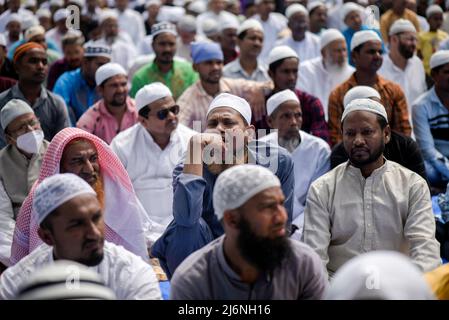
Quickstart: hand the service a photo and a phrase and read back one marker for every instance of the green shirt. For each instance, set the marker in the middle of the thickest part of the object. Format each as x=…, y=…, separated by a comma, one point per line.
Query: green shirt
x=178, y=79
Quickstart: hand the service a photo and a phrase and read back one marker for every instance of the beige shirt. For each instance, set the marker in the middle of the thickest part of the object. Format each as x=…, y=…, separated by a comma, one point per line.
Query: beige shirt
x=346, y=215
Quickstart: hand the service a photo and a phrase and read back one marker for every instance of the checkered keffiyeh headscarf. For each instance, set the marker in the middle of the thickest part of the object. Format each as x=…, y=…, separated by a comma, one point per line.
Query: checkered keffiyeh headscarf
x=124, y=215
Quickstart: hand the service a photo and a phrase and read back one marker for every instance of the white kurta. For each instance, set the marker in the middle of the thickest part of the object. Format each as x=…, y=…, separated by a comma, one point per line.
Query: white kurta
x=311, y=160
x=7, y=225
x=123, y=272
x=131, y=21
x=306, y=49
x=151, y=169
x=347, y=215
x=313, y=78
x=412, y=80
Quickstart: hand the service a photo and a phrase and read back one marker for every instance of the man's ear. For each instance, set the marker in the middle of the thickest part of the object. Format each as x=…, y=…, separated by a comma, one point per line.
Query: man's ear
x=250, y=132
x=194, y=67
x=46, y=236
x=387, y=133
x=270, y=122
x=231, y=219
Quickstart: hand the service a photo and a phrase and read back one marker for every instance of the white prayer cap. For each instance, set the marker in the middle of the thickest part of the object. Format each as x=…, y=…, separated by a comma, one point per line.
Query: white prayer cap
x=58, y=3
x=107, y=71
x=364, y=105
x=79, y=3
x=13, y=109
x=348, y=7
x=279, y=98
x=295, y=8
x=433, y=9
x=360, y=37
x=187, y=23
x=162, y=27
x=236, y=185
x=2, y=40
x=107, y=14
x=150, y=93
x=50, y=283
x=234, y=102
x=229, y=23
x=97, y=49
x=401, y=25
x=34, y=31
x=60, y=14
x=153, y=3
x=30, y=3
x=281, y=52
x=13, y=17
x=394, y=275
x=360, y=92
x=43, y=13
x=439, y=58
x=55, y=190
x=249, y=24
x=28, y=22
x=314, y=4
x=198, y=6
x=210, y=27
x=330, y=35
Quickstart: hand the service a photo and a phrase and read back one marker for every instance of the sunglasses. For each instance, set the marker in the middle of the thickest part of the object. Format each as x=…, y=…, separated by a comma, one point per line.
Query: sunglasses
x=163, y=114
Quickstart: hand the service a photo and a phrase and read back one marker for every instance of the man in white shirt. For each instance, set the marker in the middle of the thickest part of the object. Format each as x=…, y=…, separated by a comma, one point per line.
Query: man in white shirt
x=303, y=42
x=71, y=225
x=13, y=7
x=401, y=65
x=216, y=11
x=130, y=21
x=310, y=154
x=321, y=75
x=151, y=149
x=60, y=30
x=369, y=203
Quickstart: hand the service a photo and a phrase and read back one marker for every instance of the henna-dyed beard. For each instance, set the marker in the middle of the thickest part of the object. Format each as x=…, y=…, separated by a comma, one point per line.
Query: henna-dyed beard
x=99, y=189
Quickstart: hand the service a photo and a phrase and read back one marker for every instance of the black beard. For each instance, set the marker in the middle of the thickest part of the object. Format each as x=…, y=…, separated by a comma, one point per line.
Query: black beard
x=263, y=253
x=407, y=54
x=372, y=158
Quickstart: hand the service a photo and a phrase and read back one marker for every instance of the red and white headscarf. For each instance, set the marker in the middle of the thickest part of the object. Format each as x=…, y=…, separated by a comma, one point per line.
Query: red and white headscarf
x=125, y=218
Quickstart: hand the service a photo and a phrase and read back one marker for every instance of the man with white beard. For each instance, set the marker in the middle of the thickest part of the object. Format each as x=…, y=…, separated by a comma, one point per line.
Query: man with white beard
x=319, y=76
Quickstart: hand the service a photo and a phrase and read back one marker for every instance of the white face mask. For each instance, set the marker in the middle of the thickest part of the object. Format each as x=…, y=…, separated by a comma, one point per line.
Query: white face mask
x=30, y=142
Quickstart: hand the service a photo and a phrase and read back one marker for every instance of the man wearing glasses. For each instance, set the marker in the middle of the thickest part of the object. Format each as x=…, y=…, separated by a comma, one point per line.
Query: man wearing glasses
x=401, y=65
x=20, y=162
x=151, y=149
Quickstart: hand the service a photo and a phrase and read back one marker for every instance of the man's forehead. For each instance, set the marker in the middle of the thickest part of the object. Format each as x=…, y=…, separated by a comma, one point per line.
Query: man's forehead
x=223, y=112
x=79, y=146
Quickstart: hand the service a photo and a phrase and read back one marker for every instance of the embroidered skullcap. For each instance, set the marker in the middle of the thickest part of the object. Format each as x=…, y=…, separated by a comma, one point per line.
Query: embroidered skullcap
x=210, y=27
x=279, y=98
x=313, y=5
x=330, y=35
x=163, y=27
x=439, y=58
x=360, y=92
x=50, y=283
x=97, y=49
x=197, y=6
x=13, y=109
x=187, y=23
x=34, y=31
x=236, y=185
x=280, y=53
x=107, y=71
x=55, y=190
x=249, y=24
x=231, y=101
x=365, y=105
x=150, y=93
x=24, y=48
x=348, y=7
x=43, y=13
x=295, y=8
x=206, y=51
x=360, y=37
x=60, y=14
x=401, y=25
x=433, y=9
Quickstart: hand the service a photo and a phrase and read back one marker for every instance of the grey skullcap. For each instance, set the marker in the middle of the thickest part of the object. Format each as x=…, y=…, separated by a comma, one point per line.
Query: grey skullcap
x=187, y=23
x=236, y=185
x=13, y=109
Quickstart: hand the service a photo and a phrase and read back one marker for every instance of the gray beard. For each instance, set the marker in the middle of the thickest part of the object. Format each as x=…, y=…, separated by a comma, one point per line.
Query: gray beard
x=290, y=144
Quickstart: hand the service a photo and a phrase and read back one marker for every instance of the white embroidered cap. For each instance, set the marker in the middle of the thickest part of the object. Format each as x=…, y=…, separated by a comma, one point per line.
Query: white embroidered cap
x=279, y=98
x=364, y=105
x=231, y=101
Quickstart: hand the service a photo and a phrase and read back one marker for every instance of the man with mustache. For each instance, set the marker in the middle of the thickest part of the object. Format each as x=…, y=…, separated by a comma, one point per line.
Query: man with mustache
x=401, y=65
x=227, y=141
x=114, y=113
x=76, y=151
x=369, y=203
x=366, y=51
x=254, y=259
x=175, y=74
x=71, y=224
x=30, y=61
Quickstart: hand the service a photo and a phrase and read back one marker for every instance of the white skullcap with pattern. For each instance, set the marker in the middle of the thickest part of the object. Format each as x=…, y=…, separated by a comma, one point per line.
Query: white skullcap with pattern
x=55, y=190
x=365, y=105
x=360, y=92
x=236, y=185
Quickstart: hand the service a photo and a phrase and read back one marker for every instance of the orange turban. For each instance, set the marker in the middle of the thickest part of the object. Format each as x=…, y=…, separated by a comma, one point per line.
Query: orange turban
x=24, y=48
